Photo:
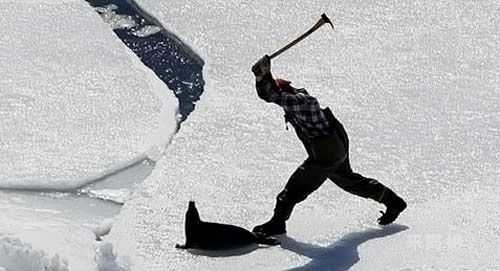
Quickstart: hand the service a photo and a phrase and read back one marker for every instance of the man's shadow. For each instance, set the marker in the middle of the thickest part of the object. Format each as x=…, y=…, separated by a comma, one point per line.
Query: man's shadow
x=339, y=256
x=342, y=254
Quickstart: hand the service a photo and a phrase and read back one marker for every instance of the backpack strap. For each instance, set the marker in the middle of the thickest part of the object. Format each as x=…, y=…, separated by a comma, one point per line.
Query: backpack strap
x=336, y=126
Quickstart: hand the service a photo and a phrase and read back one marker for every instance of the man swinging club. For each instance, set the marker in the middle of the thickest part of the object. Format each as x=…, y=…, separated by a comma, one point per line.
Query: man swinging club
x=327, y=146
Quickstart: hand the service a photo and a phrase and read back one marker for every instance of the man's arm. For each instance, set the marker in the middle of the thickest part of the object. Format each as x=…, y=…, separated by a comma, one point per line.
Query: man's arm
x=270, y=92
x=264, y=81
x=267, y=88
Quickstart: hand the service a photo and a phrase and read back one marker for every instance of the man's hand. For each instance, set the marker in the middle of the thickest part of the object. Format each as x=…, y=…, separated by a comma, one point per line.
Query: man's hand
x=262, y=67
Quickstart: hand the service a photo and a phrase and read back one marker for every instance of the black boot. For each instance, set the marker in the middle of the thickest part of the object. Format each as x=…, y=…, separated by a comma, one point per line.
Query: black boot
x=395, y=205
x=277, y=224
x=271, y=227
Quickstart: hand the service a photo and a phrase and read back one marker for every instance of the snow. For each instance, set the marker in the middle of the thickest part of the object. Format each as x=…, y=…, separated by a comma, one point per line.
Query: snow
x=47, y=228
x=147, y=31
x=75, y=103
x=107, y=260
x=416, y=84
x=116, y=21
x=15, y=255
x=103, y=229
x=76, y=106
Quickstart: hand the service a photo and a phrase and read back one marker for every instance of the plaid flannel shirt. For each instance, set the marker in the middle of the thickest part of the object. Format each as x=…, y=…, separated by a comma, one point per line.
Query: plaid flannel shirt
x=301, y=110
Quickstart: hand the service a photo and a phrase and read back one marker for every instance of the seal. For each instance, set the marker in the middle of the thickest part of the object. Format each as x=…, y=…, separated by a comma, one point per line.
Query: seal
x=216, y=236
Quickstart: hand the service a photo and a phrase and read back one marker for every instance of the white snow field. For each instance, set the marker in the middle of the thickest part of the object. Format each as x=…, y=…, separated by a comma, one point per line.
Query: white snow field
x=416, y=84
x=75, y=105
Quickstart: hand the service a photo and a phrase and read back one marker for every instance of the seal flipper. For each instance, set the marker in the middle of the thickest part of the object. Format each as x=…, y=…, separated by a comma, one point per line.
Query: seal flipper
x=270, y=241
x=181, y=246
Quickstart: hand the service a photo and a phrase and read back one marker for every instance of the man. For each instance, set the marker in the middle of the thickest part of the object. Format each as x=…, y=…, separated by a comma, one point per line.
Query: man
x=327, y=146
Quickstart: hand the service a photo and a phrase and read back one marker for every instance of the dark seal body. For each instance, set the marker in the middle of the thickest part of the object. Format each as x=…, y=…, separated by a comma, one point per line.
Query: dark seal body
x=216, y=236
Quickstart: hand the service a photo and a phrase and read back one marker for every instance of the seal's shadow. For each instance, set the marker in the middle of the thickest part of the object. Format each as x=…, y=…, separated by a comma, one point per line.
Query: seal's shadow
x=225, y=253
x=342, y=254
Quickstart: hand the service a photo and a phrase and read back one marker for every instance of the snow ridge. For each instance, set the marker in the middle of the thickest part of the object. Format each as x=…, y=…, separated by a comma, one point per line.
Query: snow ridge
x=19, y=256
x=77, y=119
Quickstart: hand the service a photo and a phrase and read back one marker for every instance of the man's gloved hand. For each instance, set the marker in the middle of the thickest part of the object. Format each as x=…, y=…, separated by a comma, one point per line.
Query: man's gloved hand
x=262, y=67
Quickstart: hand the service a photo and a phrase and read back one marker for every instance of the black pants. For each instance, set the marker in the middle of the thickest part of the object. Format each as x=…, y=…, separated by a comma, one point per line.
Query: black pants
x=328, y=159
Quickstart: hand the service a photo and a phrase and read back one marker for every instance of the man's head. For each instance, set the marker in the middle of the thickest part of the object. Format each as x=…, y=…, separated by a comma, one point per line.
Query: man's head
x=285, y=85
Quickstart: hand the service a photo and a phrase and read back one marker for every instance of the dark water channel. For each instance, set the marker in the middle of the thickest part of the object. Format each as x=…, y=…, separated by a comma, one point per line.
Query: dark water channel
x=173, y=62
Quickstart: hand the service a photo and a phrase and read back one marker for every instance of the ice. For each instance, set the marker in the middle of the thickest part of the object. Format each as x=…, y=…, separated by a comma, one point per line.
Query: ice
x=75, y=104
x=116, y=195
x=63, y=225
x=147, y=30
x=118, y=187
x=416, y=83
x=103, y=229
x=16, y=255
x=116, y=21
x=107, y=260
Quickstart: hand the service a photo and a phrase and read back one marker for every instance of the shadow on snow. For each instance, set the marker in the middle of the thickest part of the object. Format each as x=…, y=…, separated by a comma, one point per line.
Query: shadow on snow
x=342, y=254
x=339, y=256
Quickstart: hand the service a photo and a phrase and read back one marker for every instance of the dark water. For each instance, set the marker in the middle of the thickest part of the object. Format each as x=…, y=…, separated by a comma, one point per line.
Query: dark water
x=174, y=63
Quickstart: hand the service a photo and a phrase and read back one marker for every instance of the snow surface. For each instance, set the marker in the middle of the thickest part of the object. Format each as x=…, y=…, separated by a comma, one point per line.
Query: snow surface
x=75, y=106
x=14, y=255
x=75, y=103
x=417, y=85
x=45, y=232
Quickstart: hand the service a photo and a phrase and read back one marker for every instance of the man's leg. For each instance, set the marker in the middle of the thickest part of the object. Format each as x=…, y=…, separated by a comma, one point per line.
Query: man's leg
x=357, y=184
x=305, y=180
